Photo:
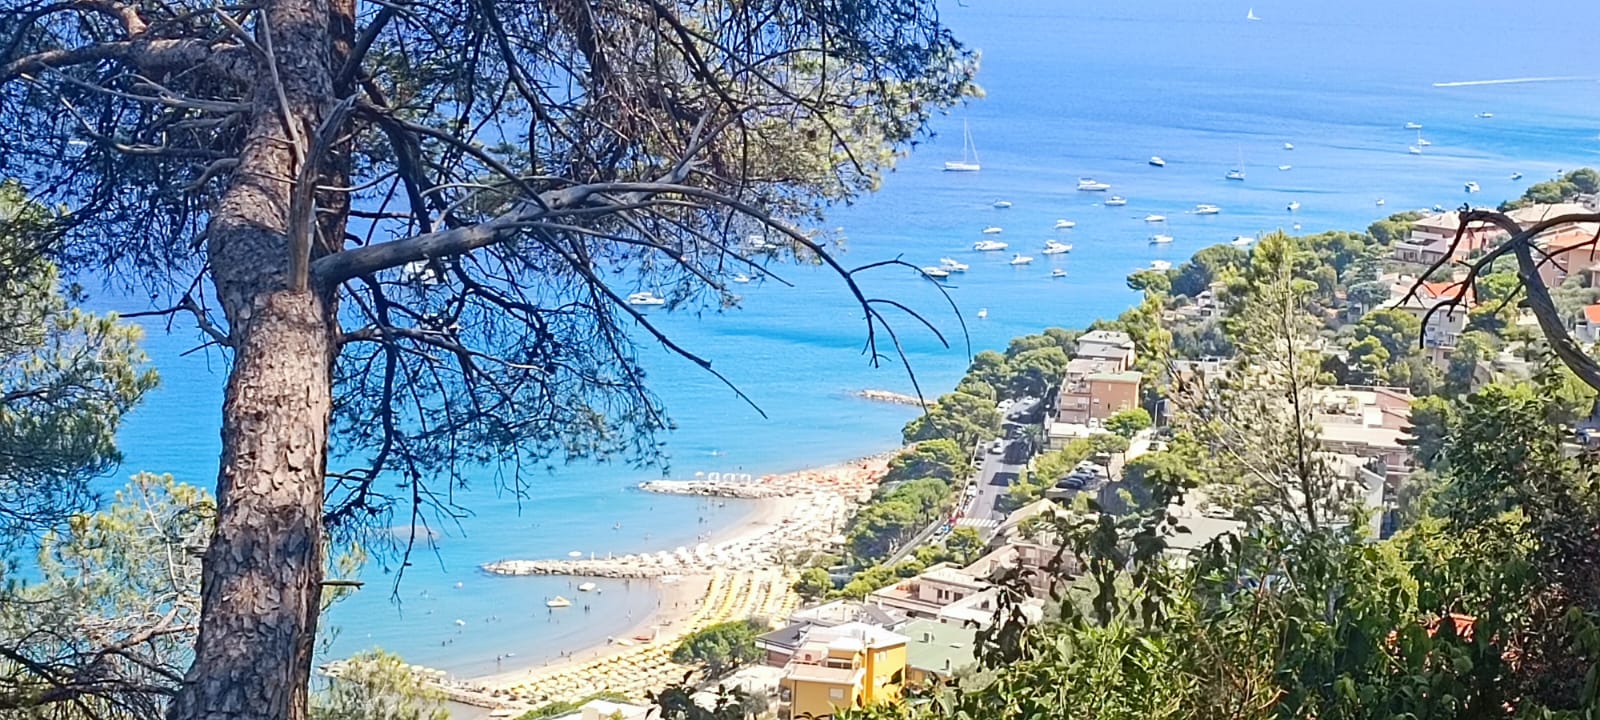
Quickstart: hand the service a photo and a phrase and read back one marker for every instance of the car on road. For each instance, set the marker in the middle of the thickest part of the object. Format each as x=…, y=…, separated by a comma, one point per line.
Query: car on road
x=998, y=447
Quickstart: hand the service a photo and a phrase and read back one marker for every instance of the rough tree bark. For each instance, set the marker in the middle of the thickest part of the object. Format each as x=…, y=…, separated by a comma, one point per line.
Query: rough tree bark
x=263, y=570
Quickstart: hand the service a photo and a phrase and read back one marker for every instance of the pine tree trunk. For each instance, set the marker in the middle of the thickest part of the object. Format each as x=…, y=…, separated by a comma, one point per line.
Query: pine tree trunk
x=262, y=576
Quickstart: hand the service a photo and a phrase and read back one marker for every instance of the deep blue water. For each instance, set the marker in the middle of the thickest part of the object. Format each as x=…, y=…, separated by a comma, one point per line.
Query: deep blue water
x=1074, y=89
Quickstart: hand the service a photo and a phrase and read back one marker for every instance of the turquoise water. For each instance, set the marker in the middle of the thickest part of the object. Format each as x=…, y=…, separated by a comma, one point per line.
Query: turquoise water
x=1074, y=89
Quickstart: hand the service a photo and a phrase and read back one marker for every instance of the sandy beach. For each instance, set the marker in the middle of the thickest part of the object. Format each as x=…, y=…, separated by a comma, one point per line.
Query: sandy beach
x=742, y=570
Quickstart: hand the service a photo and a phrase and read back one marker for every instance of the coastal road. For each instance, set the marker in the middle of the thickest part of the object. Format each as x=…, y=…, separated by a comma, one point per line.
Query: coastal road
x=995, y=477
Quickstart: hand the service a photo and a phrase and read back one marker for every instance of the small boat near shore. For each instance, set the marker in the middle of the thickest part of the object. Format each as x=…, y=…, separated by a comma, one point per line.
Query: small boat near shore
x=586, y=587
x=1288, y=146
x=1160, y=265
x=1294, y=206
x=1154, y=218
x=1160, y=239
x=1092, y=185
x=952, y=265
x=1206, y=209
x=1235, y=174
x=557, y=602
x=1413, y=126
x=1056, y=248
x=1116, y=201
x=969, y=153
x=646, y=298
x=1058, y=272
x=1021, y=259
x=1002, y=204
x=1065, y=224
x=1243, y=240
x=986, y=245
x=1471, y=187
x=935, y=272
x=993, y=230
x=1156, y=161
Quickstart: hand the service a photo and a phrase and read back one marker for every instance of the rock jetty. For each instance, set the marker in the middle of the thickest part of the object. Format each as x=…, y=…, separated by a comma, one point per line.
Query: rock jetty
x=888, y=396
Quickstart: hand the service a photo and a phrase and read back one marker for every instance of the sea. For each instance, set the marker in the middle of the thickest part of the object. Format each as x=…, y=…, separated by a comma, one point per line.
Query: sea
x=1073, y=90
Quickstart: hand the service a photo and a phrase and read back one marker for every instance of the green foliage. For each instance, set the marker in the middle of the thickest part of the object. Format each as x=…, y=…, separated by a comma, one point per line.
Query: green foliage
x=1128, y=423
x=1431, y=418
x=1394, y=228
x=1563, y=189
x=66, y=379
x=1035, y=372
x=1398, y=331
x=1060, y=338
x=813, y=583
x=1472, y=349
x=1152, y=282
x=868, y=580
x=965, y=544
x=942, y=459
x=965, y=419
x=377, y=685
x=721, y=647
x=1209, y=265
x=110, y=616
x=567, y=707
x=895, y=515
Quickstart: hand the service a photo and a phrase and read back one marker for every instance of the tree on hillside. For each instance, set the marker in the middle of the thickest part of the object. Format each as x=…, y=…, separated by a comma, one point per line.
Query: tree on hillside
x=988, y=367
x=963, y=418
x=377, y=685
x=1394, y=228
x=965, y=543
x=1128, y=423
x=1150, y=281
x=66, y=379
x=721, y=647
x=1208, y=265
x=105, y=627
x=413, y=228
x=813, y=583
x=1066, y=340
x=943, y=459
x=1034, y=372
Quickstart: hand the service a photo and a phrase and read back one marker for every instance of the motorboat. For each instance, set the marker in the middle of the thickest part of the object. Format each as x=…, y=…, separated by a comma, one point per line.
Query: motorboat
x=1294, y=205
x=1382, y=202
x=1296, y=226
x=1205, y=209
x=1002, y=204
x=646, y=298
x=1092, y=185
x=558, y=602
x=1471, y=187
x=992, y=230
x=969, y=153
x=1021, y=259
x=1243, y=240
x=983, y=313
x=741, y=278
x=1160, y=265
x=989, y=245
x=1155, y=218
x=1116, y=201
x=1485, y=115
x=1414, y=150
x=1516, y=176
x=1288, y=146
x=1156, y=161
x=1058, y=272
x=1438, y=208
x=1413, y=126
x=1423, y=142
x=1285, y=167
x=586, y=587
x=1056, y=248
x=1160, y=239
x=1235, y=174
x=1065, y=224
x=952, y=265
x=935, y=272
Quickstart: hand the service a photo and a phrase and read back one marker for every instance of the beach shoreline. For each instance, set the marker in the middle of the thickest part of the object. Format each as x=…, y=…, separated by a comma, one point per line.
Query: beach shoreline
x=740, y=569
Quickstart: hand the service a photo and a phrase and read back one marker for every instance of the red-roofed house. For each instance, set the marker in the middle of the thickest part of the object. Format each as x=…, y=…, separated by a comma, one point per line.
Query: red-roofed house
x=1430, y=239
x=1587, y=329
x=1444, y=326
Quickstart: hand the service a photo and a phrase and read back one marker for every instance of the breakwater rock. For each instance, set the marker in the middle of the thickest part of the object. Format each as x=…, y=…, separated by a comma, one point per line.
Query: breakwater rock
x=888, y=396
x=714, y=488
x=581, y=568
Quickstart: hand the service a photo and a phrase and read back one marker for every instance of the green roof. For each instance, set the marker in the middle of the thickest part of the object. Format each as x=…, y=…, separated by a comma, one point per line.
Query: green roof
x=932, y=643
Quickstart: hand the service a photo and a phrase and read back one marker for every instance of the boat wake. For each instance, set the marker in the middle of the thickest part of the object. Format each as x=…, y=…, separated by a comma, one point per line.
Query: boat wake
x=1510, y=81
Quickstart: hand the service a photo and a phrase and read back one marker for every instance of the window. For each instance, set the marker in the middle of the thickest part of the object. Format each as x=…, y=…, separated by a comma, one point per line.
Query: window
x=835, y=693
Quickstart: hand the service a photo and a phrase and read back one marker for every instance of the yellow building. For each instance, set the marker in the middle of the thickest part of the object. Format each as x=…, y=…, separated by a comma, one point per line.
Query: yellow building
x=845, y=666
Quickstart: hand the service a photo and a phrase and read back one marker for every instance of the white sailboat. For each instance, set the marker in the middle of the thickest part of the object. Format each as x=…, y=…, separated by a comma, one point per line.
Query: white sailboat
x=1251, y=15
x=935, y=272
x=969, y=153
